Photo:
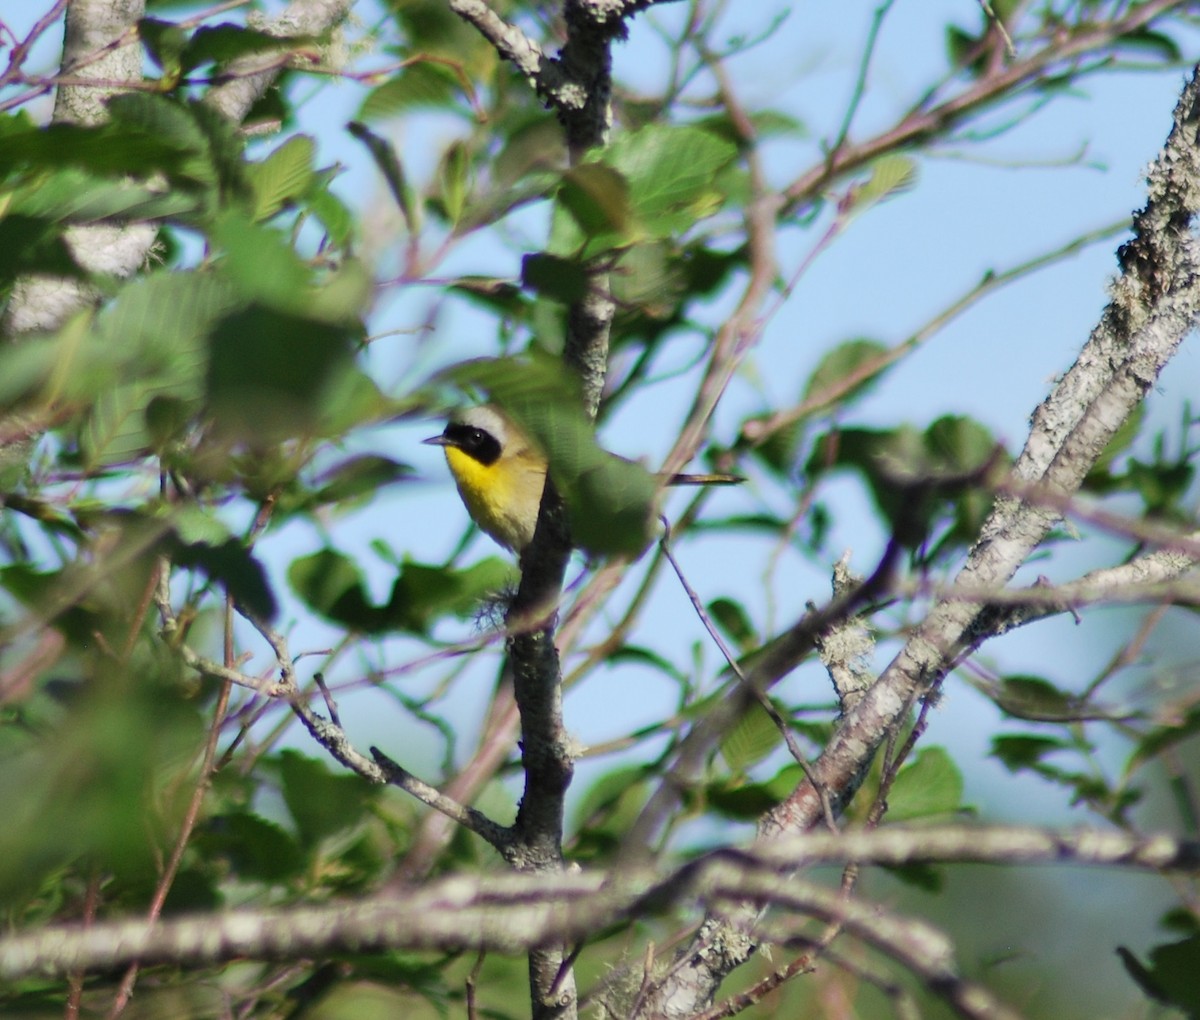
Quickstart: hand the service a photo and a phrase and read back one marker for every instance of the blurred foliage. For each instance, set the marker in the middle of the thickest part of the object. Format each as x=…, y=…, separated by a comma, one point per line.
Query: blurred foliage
x=229, y=397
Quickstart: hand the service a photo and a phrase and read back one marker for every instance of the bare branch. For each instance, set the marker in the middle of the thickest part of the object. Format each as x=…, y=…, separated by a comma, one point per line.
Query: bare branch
x=511, y=913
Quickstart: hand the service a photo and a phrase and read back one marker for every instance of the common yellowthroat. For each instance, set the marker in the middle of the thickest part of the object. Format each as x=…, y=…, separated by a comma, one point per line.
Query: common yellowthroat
x=500, y=473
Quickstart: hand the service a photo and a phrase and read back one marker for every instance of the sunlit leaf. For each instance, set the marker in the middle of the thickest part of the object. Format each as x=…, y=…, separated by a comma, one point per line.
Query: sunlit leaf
x=929, y=786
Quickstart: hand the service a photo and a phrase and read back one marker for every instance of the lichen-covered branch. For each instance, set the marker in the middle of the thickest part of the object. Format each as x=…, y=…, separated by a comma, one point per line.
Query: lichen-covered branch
x=513, y=912
x=1154, y=305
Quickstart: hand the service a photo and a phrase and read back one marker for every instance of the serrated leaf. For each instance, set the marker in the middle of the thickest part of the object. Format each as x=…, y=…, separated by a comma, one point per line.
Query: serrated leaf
x=256, y=849
x=424, y=84
x=890, y=175
x=750, y=739
x=114, y=430
x=671, y=171
x=929, y=786
x=283, y=177
x=261, y=262
x=334, y=214
x=321, y=802
x=109, y=150
x=76, y=196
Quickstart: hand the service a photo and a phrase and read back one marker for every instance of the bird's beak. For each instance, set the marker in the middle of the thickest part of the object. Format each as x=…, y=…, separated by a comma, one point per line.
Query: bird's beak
x=439, y=440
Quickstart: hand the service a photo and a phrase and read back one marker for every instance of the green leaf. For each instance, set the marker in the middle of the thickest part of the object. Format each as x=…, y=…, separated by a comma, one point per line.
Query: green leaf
x=268, y=371
x=920, y=876
x=358, y=479
x=1025, y=750
x=113, y=149
x=212, y=147
x=283, y=177
x=454, y=177
x=638, y=655
x=165, y=43
x=562, y=279
x=1035, y=698
x=146, y=346
x=1157, y=44
x=424, y=84
x=335, y=216
x=651, y=278
x=846, y=372
x=257, y=850
x=332, y=585
x=114, y=430
x=929, y=786
x=750, y=739
x=958, y=444
x=384, y=154
x=1160, y=738
x=671, y=174
x=77, y=196
x=321, y=802
x=890, y=175
x=230, y=564
x=1171, y=976
x=597, y=199
x=261, y=263
x=30, y=244
x=532, y=149
x=423, y=593
x=608, y=809
x=608, y=499
x=226, y=42
x=742, y=802
x=733, y=619
x=747, y=802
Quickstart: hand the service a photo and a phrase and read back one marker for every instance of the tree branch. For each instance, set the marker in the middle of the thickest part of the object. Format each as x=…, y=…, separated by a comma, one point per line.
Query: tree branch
x=101, y=46
x=512, y=913
x=1155, y=304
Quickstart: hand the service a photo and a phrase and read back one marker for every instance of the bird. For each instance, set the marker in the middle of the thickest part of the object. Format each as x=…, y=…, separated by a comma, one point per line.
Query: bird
x=500, y=473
